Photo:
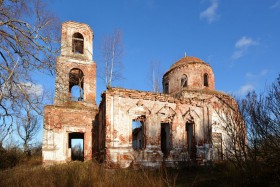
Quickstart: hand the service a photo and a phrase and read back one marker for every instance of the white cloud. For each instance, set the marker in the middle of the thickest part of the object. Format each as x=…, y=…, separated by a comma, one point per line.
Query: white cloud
x=253, y=80
x=276, y=4
x=253, y=76
x=242, y=46
x=245, y=89
x=245, y=42
x=32, y=88
x=210, y=14
x=238, y=54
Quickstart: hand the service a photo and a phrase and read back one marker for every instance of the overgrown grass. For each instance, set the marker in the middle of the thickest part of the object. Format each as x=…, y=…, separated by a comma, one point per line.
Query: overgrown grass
x=81, y=174
x=90, y=173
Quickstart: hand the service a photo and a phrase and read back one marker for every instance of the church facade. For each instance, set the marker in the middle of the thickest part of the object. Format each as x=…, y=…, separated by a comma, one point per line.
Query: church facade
x=131, y=127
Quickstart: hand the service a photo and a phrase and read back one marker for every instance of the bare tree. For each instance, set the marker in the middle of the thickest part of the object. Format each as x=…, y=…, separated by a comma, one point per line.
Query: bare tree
x=155, y=76
x=112, y=52
x=233, y=126
x=27, y=126
x=28, y=43
x=255, y=154
x=263, y=123
x=77, y=152
x=3, y=134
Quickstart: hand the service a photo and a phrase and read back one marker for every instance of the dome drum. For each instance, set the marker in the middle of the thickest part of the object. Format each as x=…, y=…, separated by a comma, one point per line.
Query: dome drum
x=188, y=73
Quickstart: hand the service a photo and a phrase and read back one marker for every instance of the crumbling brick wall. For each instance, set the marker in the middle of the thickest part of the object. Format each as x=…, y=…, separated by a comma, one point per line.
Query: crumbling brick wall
x=59, y=122
x=122, y=106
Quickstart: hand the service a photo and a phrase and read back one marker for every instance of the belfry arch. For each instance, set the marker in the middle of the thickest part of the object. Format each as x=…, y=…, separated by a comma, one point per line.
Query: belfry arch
x=78, y=43
x=76, y=80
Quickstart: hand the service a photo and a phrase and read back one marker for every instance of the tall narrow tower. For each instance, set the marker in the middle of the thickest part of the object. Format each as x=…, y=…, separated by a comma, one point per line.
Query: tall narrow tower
x=76, y=72
x=71, y=118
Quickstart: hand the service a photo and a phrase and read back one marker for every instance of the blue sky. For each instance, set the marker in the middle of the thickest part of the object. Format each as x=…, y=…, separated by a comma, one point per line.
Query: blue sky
x=239, y=39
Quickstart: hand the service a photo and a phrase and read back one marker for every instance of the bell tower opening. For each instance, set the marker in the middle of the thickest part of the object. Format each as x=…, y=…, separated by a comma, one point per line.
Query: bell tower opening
x=76, y=84
x=78, y=43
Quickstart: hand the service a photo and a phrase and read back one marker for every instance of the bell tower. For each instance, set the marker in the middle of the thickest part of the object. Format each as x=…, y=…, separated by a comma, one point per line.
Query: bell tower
x=75, y=69
x=72, y=116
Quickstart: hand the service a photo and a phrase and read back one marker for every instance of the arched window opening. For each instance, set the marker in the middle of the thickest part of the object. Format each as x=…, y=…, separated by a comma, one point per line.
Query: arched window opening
x=205, y=77
x=184, y=81
x=76, y=84
x=76, y=93
x=78, y=43
x=166, y=87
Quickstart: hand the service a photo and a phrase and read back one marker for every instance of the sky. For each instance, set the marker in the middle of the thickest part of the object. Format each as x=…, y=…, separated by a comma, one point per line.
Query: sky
x=239, y=39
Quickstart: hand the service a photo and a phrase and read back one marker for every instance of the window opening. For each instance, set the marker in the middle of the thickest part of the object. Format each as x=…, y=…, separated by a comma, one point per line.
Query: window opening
x=76, y=84
x=138, y=138
x=205, y=79
x=76, y=93
x=166, y=87
x=217, y=145
x=76, y=143
x=78, y=43
x=165, y=138
x=184, y=81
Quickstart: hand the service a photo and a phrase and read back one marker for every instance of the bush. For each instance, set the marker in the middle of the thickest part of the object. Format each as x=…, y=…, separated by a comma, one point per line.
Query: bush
x=10, y=157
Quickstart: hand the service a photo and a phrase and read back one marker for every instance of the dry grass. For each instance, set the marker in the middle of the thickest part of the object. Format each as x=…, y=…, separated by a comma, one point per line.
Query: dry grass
x=90, y=173
x=81, y=174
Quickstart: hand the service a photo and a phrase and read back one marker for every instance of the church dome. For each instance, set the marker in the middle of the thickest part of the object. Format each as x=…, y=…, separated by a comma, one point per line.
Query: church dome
x=185, y=60
x=188, y=73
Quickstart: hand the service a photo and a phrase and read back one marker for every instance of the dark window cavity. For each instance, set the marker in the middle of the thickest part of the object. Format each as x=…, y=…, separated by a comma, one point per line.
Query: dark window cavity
x=184, y=81
x=205, y=77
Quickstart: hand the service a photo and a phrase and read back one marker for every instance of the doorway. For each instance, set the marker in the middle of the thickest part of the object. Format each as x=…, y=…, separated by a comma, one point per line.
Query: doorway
x=190, y=140
x=165, y=138
x=76, y=143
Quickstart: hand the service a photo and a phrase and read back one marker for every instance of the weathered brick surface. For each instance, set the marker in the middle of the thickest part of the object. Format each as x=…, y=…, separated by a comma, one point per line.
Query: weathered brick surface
x=64, y=66
x=120, y=106
x=68, y=29
x=58, y=123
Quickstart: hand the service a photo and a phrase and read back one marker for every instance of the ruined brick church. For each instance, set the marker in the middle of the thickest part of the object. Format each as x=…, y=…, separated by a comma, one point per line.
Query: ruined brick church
x=132, y=127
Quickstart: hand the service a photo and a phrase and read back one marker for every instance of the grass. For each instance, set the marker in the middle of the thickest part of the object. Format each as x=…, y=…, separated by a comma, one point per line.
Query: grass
x=78, y=174
x=90, y=173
